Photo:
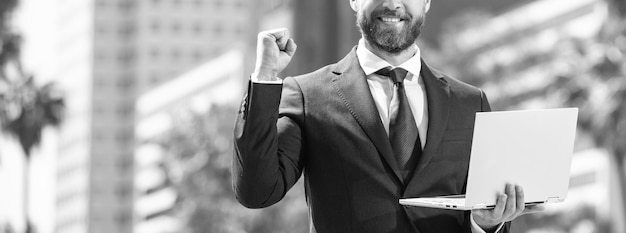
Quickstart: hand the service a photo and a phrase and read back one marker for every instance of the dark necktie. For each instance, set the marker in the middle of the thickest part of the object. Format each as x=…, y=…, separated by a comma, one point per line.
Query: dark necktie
x=403, y=133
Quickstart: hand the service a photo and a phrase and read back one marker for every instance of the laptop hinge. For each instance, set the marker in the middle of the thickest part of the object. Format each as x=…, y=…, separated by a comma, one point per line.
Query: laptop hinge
x=479, y=206
x=554, y=200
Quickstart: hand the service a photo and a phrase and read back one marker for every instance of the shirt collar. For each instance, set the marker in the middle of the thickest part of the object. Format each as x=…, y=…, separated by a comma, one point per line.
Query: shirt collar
x=371, y=63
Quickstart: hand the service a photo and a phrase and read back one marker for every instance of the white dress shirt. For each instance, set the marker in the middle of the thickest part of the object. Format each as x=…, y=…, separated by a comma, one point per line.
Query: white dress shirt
x=382, y=88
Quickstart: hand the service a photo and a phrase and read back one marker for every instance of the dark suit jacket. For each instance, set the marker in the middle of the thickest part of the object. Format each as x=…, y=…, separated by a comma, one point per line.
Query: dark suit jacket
x=326, y=124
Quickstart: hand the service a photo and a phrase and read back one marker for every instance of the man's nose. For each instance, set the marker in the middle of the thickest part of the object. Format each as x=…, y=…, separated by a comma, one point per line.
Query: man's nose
x=392, y=4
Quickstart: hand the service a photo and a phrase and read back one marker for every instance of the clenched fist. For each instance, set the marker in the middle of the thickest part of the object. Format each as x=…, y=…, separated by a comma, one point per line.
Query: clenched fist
x=275, y=48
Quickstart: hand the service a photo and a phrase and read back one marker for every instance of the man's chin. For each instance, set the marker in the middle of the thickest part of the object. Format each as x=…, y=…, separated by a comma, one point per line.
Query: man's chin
x=391, y=48
x=390, y=42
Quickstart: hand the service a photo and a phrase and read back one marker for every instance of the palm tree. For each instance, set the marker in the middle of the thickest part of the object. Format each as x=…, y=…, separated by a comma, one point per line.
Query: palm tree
x=25, y=108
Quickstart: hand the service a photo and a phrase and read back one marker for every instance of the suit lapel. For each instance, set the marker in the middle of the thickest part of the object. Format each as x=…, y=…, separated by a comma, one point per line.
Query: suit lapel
x=350, y=82
x=438, y=99
x=351, y=85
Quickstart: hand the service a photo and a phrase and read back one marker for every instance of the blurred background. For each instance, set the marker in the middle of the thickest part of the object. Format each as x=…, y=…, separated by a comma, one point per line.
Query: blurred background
x=117, y=115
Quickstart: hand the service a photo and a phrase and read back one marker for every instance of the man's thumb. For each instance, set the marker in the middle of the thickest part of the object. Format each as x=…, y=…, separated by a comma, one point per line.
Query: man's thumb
x=291, y=47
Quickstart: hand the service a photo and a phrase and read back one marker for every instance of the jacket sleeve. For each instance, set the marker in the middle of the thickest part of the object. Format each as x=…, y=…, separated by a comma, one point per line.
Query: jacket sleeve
x=268, y=136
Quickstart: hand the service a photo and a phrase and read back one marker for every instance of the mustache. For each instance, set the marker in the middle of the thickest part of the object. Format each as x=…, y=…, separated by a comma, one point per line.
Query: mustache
x=386, y=12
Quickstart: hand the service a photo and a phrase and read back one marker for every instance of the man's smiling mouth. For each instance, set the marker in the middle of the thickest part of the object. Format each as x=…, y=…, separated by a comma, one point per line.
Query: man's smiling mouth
x=390, y=19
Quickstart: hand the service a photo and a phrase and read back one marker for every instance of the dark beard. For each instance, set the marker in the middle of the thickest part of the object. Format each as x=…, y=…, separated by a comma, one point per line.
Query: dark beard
x=388, y=39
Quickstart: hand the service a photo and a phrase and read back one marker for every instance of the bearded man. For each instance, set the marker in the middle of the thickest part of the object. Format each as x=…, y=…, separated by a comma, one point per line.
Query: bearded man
x=377, y=126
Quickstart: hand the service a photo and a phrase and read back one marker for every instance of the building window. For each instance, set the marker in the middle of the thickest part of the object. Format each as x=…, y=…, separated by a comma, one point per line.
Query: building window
x=123, y=218
x=125, y=82
x=155, y=26
x=217, y=30
x=99, y=83
x=123, y=137
x=175, y=27
x=126, y=30
x=197, y=55
x=100, y=29
x=100, y=56
x=155, y=53
x=101, y=3
x=238, y=30
x=154, y=79
x=175, y=54
x=124, y=110
x=198, y=28
x=239, y=4
x=125, y=57
x=125, y=162
x=97, y=136
x=126, y=5
x=123, y=190
x=98, y=109
x=215, y=52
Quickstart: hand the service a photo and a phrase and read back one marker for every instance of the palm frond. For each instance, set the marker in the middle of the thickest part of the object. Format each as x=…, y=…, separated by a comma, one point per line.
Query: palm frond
x=39, y=107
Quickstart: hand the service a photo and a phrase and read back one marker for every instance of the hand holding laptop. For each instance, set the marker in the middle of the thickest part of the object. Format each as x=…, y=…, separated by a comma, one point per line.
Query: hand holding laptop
x=509, y=206
x=504, y=146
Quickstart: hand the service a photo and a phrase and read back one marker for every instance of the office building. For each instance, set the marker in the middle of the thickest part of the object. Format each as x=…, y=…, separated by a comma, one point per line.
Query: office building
x=108, y=53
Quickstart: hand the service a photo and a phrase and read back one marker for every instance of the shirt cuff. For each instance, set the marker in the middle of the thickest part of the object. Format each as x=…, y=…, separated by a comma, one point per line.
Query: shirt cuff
x=477, y=229
x=255, y=79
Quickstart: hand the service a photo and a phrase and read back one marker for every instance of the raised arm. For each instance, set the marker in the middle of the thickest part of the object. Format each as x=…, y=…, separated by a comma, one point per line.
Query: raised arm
x=268, y=159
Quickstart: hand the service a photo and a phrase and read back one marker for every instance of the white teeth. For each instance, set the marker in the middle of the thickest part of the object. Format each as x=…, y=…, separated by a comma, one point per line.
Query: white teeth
x=390, y=20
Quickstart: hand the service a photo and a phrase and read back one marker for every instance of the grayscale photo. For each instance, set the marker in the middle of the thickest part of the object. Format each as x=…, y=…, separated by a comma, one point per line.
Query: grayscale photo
x=325, y=116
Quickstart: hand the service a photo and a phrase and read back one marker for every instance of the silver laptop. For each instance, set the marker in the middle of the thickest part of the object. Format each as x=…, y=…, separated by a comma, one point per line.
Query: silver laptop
x=532, y=148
